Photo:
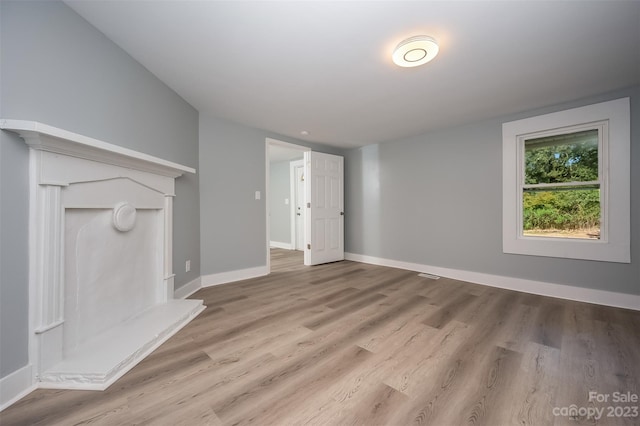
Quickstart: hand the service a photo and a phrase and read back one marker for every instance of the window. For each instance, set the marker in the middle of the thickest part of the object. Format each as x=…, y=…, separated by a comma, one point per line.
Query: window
x=561, y=182
x=566, y=183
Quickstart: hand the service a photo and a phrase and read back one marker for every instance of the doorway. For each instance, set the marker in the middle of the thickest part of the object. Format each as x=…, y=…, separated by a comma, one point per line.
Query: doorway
x=285, y=228
x=321, y=209
x=296, y=173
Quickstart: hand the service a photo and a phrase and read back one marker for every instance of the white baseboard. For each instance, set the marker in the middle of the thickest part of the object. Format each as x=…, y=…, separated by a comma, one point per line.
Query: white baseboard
x=278, y=244
x=217, y=279
x=580, y=294
x=188, y=289
x=16, y=386
x=238, y=275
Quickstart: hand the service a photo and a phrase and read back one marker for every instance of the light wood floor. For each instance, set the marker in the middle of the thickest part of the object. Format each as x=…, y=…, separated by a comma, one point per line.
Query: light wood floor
x=350, y=343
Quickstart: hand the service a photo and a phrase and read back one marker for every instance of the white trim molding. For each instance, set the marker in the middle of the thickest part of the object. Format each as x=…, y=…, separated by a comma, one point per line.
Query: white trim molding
x=43, y=137
x=561, y=291
x=613, y=117
x=278, y=244
x=15, y=386
x=293, y=196
x=188, y=289
x=211, y=280
x=231, y=276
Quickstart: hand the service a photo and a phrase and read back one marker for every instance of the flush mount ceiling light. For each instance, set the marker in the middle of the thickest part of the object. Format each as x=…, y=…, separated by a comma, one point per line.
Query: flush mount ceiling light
x=415, y=51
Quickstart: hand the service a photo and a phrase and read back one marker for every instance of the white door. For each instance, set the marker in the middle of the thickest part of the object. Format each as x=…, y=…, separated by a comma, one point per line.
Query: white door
x=324, y=221
x=299, y=205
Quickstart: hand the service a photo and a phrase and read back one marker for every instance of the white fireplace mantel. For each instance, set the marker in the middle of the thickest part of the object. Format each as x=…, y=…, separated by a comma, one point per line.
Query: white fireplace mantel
x=100, y=257
x=48, y=138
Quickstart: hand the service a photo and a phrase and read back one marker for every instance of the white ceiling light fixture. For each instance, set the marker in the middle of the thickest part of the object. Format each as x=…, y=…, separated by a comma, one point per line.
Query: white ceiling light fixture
x=415, y=51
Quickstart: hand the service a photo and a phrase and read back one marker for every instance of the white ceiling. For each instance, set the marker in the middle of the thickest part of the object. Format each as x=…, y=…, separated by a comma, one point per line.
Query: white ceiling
x=278, y=154
x=325, y=67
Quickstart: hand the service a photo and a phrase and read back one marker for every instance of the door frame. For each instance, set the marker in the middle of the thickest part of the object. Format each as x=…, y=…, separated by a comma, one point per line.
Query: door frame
x=268, y=143
x=293, y=165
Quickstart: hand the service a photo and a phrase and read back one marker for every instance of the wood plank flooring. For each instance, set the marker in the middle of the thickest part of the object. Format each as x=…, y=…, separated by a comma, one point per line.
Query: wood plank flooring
x=355, y=344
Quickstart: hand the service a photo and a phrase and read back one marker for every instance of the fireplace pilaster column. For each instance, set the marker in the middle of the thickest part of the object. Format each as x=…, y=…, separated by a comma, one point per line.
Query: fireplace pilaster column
x=167, y=291
x=49, y=274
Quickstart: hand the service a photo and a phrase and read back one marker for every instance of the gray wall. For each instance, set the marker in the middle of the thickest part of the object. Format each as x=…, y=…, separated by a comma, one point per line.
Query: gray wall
x=280, y=213
x=232, y=167
x=59, y=70
x=436, y=199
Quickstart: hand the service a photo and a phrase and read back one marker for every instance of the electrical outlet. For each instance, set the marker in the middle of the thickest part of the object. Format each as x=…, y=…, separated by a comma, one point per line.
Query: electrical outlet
x=187, y=266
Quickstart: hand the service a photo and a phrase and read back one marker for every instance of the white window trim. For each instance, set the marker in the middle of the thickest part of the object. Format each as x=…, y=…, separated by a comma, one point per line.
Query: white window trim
x=616, y=218
x=603, y=172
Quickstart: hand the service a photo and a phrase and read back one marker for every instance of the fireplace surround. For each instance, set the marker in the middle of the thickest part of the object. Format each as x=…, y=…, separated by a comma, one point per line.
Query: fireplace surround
x=100, y=257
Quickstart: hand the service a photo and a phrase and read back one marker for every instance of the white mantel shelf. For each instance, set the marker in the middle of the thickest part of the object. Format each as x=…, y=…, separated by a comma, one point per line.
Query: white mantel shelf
x=65, y=142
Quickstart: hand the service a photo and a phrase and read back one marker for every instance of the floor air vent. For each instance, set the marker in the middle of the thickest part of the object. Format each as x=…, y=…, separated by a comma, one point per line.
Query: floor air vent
x=430, y=276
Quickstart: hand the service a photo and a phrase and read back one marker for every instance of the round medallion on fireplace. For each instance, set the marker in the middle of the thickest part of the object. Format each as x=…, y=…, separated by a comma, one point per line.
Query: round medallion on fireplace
x=124, y=217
